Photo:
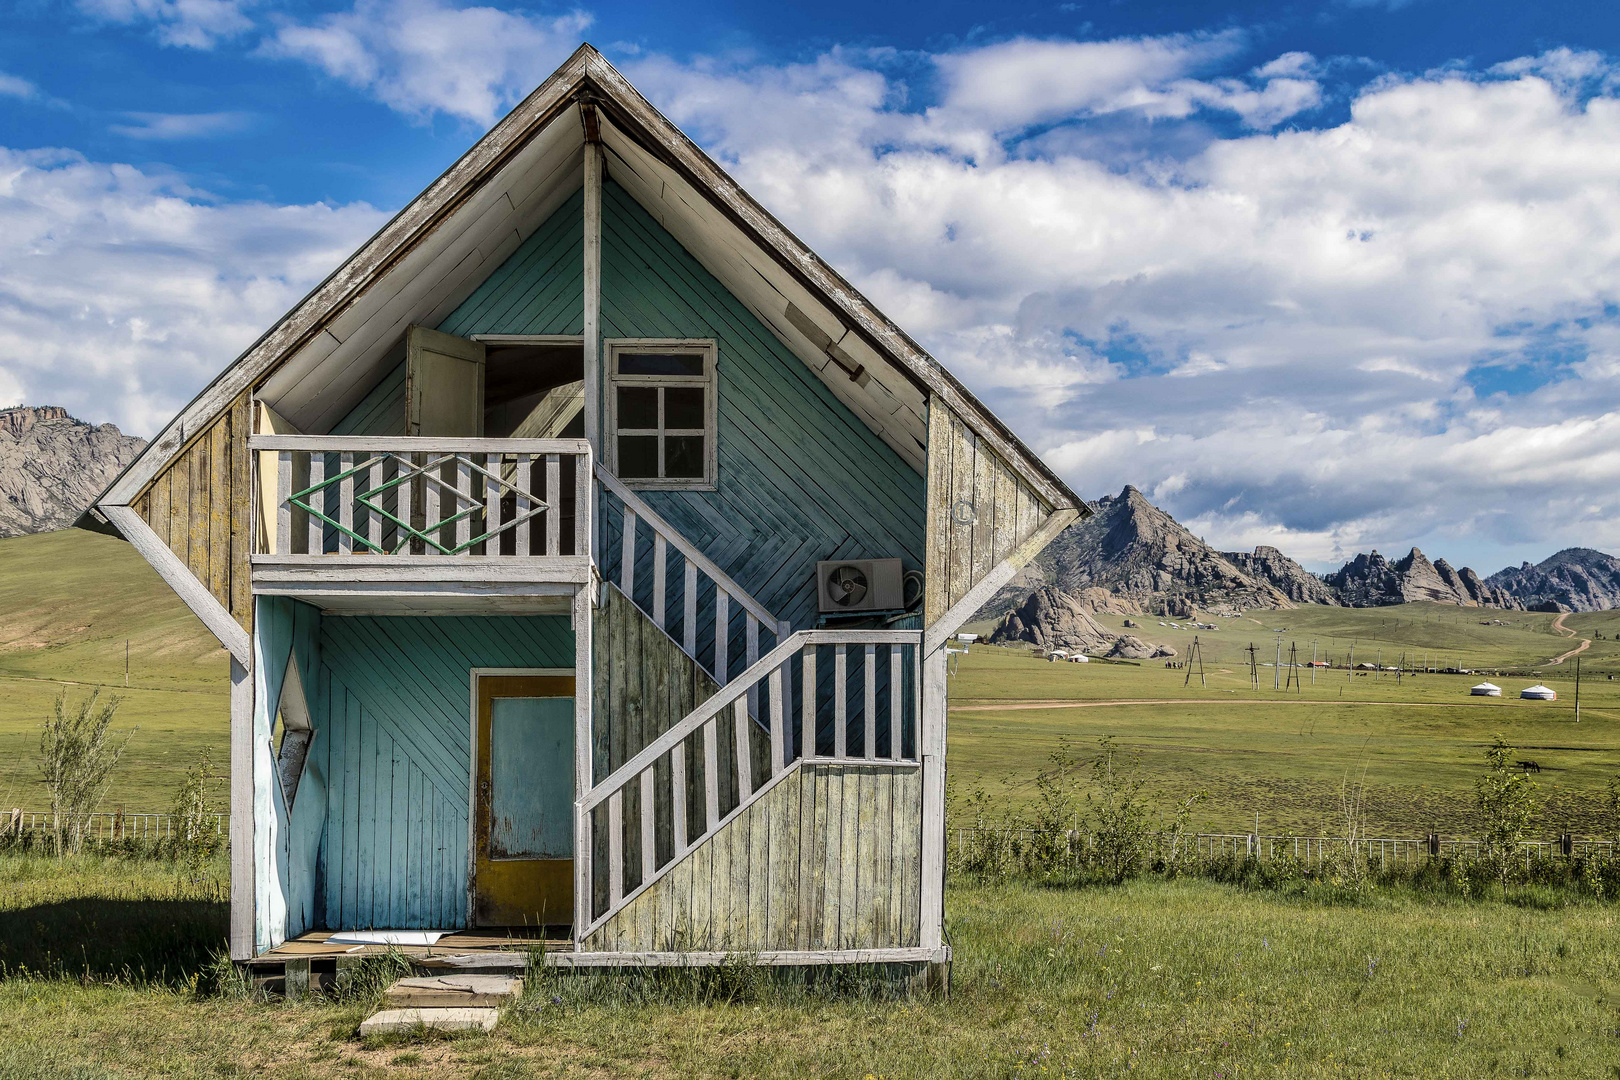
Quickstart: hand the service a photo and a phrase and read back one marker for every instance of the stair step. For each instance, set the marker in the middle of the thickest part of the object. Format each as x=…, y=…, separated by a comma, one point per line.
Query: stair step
x=395, y=1020
x=454, y=991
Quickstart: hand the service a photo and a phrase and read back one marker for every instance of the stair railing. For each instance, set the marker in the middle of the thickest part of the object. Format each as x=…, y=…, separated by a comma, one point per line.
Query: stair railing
x=657, y=539
x=844, y=715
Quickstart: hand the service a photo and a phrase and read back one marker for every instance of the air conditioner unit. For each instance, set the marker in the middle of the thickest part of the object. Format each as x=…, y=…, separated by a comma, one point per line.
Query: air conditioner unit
x=860, y=585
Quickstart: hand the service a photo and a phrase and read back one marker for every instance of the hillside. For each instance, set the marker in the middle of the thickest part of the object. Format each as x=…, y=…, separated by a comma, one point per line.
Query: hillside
x=1576, y=579
x=52, y=466
x=1374, y=581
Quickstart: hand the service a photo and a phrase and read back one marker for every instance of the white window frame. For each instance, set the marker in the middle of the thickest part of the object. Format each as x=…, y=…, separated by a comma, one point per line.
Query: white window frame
x=704, y=347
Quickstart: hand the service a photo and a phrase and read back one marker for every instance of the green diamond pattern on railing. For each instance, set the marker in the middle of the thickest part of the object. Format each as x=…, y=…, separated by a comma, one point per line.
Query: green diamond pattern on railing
x=467, y=505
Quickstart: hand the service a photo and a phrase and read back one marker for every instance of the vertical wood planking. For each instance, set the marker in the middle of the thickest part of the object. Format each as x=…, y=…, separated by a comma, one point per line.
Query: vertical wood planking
x=840, y=702
x=201, y=501
x=219, y=510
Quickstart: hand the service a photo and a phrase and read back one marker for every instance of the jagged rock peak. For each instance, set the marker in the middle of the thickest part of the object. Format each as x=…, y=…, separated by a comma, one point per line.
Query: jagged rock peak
x=1370, y=580
x=53, y=466
x=1269, y=565
x=1574, y=579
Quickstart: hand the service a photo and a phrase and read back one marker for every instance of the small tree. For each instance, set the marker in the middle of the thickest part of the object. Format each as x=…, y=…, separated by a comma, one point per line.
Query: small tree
x=77, y=759
x=1118, y=811
x=192, y=809
x=1505, y=802
x=1056, y=819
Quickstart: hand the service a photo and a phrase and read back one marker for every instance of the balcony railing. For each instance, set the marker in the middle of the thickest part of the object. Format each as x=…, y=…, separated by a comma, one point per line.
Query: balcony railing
x=322, y=495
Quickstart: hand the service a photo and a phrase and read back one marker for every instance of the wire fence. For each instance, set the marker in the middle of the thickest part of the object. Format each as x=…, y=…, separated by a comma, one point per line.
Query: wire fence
x=114, y=825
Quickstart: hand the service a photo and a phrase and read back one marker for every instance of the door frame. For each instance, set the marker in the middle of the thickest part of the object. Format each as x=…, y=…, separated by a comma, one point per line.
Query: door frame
x=474, y=675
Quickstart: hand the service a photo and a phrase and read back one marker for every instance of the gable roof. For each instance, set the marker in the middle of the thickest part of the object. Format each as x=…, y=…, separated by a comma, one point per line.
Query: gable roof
x=324, y=354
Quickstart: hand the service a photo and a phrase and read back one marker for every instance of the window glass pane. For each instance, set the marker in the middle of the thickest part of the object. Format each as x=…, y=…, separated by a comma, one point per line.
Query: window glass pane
x=660, y=363
x=638, y=457
x=683, y=456
x=638, y=407
x=683, y=407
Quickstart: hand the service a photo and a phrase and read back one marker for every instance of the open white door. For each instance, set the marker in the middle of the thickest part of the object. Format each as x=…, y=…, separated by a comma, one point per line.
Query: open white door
x=444, y=385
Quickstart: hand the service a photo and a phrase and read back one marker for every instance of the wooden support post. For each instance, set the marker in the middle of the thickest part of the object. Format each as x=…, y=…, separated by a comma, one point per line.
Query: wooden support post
x=869, y=716
x=593, y=295
x=554, y=505
x=931, y=749
x=711, y=776
x=745, y=772
x=345, y=543
x=627, y=558
x=840, y=701
x=677, y=814
x=242, y=884
x=585, y=507
x=722, y=633
x=778, y=743
x=689, y=609
x=616, y=846
x=807, y=709
x=584, y=740
x=649, y=843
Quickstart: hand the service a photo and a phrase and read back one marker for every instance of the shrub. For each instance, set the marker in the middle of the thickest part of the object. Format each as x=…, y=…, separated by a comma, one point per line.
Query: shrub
x=1505, y=802
x=77, y=759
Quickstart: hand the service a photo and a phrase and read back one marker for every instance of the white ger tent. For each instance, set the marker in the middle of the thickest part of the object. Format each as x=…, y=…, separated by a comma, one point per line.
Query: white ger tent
x=1486, y=689
x=1539, y=693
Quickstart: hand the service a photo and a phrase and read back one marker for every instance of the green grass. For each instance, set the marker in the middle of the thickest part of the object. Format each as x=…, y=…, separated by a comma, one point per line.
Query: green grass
x=68, y=603
x=1157, y=979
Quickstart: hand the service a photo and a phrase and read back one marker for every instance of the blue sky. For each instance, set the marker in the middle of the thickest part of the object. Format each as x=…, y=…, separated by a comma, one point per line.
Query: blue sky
x=1329, y=276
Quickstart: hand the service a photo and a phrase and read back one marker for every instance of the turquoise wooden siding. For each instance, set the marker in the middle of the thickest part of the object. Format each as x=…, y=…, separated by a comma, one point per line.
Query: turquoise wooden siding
x=381, y=412
x=396, y=693
x=801, y=478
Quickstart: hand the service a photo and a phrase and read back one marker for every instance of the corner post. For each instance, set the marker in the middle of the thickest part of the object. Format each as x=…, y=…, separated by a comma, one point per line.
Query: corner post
x=593, y=295
x=932, y=752
x=241, y=818
x=584, y=606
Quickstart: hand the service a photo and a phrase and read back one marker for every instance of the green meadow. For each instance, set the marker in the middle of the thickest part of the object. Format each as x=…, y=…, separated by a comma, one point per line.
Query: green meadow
x=72, y=602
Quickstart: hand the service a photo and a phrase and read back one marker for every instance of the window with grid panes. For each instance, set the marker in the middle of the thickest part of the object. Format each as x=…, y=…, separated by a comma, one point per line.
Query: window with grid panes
x=662, y=413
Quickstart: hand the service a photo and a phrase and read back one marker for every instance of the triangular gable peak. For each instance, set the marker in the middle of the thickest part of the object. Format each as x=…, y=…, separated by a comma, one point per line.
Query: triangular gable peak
x=191, y=487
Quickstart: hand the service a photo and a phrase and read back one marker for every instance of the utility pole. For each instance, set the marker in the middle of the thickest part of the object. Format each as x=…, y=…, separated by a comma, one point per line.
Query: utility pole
x=1293, y=669
x=1378, y=665
x=126, y=661
x=1276, y=671
x=1313, y=661
x=1254, y=668
x=1196, y=651
x=1350, y=673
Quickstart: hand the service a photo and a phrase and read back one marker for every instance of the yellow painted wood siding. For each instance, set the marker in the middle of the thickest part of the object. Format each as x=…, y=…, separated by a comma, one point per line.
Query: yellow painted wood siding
x=829, y=858
x=979, y=511
x=199, y=507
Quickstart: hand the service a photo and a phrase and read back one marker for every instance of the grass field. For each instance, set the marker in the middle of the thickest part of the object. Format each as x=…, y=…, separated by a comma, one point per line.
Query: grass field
x=1156, y=979
x=69, y=601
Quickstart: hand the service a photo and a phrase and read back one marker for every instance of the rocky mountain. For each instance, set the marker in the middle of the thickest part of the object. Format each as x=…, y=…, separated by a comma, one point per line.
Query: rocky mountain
x=1052, y=619
x=1370, y=580
x=1271, y=566
x=1144, y=557
x=1575, y=579
x=52, y=466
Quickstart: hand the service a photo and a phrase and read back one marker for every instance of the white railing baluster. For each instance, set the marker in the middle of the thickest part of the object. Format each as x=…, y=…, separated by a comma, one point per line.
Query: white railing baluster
x=752, y=630
x=553, y=505
x=840, y=701
x=711, y=776
x=869, y=717
x=745, y=772
x=284, y=471
x=374, y=521
x=616, y=847
x=316, y=497
x=584, y=506
x=492, y=504
x=430, y=501
x=345, y=542
x=660, y=557
x=897, y=709
x=525, y=486
x=778, y=744
x=722, y=633
x=627, y=561
x=677, y=797
x=463, y=504
x=649, y=850
x=689, y=609
x=807, y=707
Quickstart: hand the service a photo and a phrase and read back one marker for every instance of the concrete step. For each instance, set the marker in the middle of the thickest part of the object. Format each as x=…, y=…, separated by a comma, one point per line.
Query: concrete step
x=396, y=1020
x=453, y=992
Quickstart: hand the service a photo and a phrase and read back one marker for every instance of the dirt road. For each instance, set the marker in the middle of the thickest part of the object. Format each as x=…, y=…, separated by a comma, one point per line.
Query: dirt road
x=1558, y=625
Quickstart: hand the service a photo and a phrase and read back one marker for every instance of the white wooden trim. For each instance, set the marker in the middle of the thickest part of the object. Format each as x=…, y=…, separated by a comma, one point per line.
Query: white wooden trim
x=243, y=886
x=709, y=381
x=770, y=958
x=407, y=444
x=931, y=748
x=179, y=577
x=593, y=294
x=528, y=339
x=584, y=677
x=1003, y=572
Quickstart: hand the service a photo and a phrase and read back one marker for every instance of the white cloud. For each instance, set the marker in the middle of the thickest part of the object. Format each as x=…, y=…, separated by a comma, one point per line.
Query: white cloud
x=145, y=125
x=1323, y=296
x=196, y=24
x=16, y=86
x=122, y=293
x=421, y=57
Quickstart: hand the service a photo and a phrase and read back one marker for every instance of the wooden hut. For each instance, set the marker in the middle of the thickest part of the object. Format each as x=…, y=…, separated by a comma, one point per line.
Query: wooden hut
x=585, y=548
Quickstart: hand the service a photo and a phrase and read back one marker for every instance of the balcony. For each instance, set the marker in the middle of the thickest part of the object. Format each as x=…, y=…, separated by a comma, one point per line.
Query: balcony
x=362, y=524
